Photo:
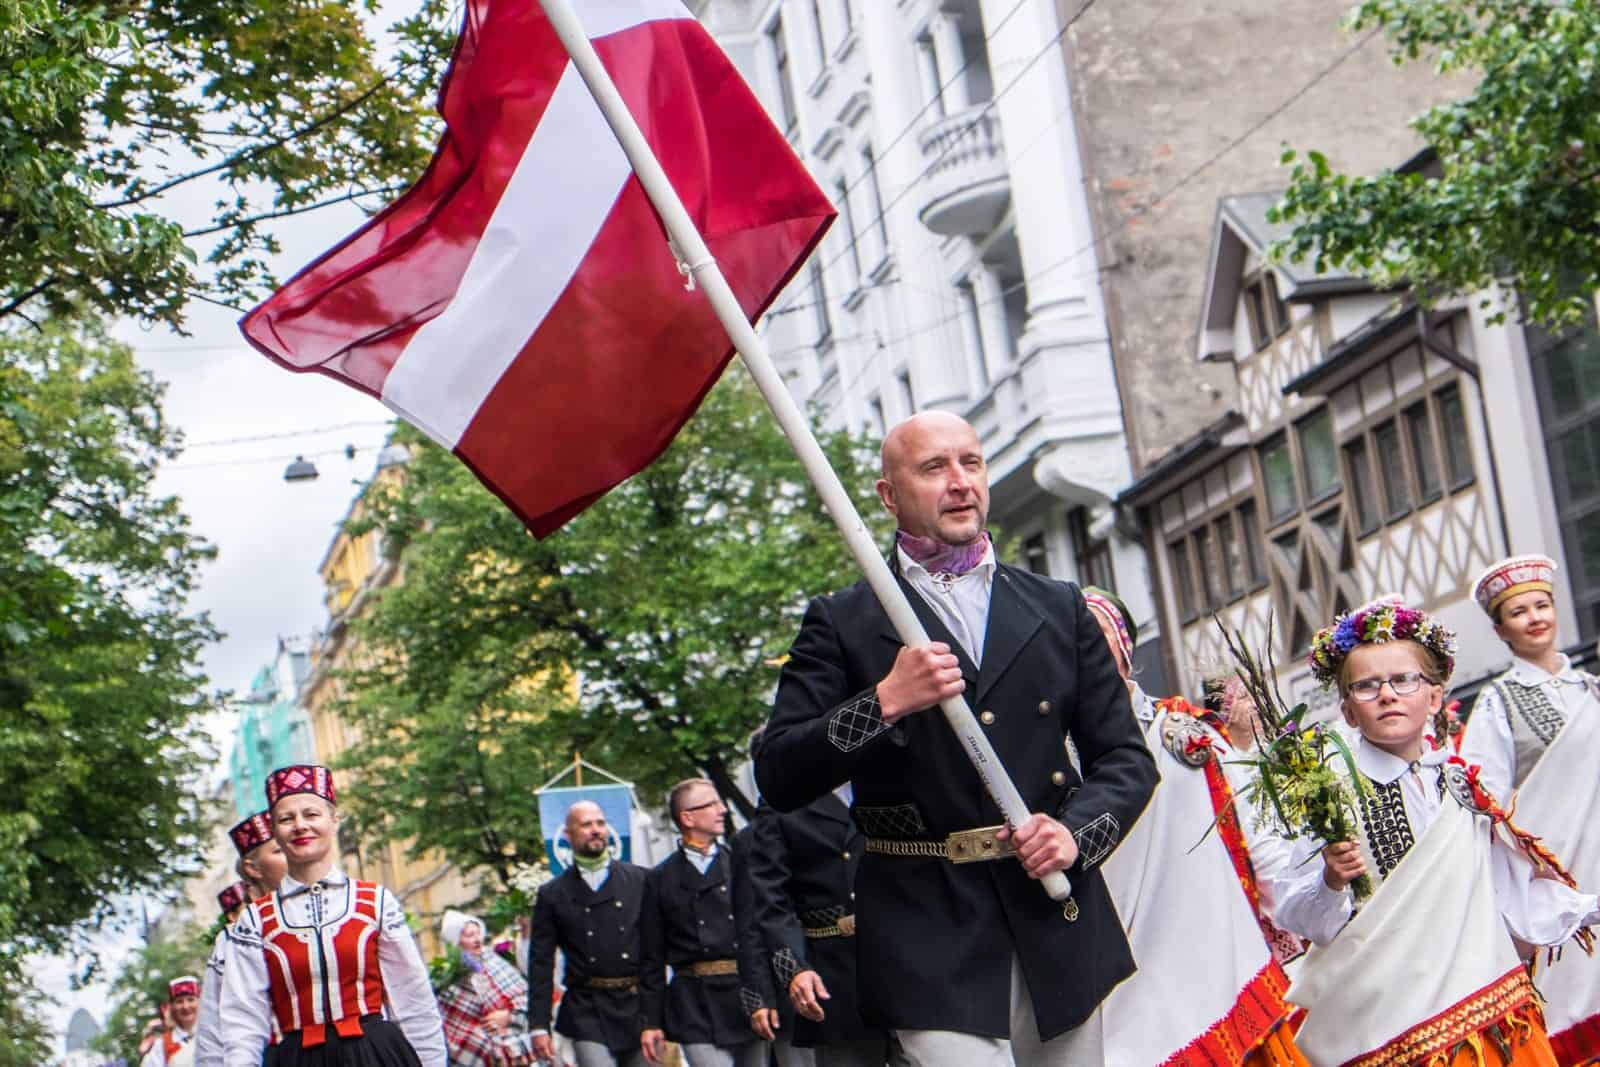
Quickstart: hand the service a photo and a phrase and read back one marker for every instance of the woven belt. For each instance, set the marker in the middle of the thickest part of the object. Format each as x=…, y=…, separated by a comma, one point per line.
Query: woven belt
x=844, y=926
x=711, y=968
x=627, y=984
x=963, y=846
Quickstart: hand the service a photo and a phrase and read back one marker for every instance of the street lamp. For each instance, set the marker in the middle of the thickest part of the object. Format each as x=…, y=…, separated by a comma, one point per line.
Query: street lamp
x=301, y=470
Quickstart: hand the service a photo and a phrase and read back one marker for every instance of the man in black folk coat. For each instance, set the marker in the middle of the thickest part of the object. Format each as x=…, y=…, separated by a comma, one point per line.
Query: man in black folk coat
x=692, y=929
x=960, y=951
x=592, y=912
x=802, y=870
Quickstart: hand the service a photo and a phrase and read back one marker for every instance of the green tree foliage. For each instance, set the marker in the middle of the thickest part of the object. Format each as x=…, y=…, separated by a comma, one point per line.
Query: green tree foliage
x=669, y=599
x=109, y=110
x=1518, y=199
x=99, y=691
x=141, y=986
x=24, y=1040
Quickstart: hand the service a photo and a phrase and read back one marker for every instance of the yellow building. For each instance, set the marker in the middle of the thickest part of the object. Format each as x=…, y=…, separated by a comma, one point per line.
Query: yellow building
x=353, y=569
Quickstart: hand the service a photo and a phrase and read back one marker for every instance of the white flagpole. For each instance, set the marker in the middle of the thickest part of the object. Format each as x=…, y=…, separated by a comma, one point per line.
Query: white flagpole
x=691, y=249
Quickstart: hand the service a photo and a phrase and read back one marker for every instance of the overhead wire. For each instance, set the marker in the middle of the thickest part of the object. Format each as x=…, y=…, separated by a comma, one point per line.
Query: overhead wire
x=885, y=344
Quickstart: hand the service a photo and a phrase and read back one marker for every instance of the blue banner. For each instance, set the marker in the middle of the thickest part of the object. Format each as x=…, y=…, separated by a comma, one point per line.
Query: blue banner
x=616, y=801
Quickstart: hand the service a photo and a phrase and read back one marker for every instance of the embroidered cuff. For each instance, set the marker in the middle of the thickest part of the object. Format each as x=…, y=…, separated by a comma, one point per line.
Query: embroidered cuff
x=855, y=723
x=1096, y=838
x=786, y=965
x=750, y=1000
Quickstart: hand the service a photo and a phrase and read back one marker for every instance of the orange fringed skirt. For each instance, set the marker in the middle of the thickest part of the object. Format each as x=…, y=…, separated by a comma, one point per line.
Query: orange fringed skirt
x=1515, y=1040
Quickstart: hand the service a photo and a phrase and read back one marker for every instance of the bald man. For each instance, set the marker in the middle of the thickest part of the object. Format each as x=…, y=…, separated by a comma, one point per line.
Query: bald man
x=960, y=951
x=591, y=913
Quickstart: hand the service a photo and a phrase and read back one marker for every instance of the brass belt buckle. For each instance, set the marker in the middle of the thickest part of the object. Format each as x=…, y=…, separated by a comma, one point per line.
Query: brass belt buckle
x=975, y=846
x=847, y=925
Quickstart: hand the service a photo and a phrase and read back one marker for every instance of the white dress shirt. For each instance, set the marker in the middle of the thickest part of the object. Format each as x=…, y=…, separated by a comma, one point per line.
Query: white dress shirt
x=701, y=860
x=208, y=1028
x=1488, y=741
x=246, y=1010
x=1537, y=911
x=962, y=605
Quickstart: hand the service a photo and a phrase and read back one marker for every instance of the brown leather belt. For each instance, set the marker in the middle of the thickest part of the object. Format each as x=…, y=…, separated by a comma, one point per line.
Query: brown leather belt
x=710, y=968
x=625, y=984
x=963, y=846
x=844, y=926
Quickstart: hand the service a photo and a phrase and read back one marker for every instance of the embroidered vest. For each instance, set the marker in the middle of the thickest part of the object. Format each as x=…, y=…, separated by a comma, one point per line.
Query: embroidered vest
x=1535, y=720
x=1386, y=832
x=324, y=975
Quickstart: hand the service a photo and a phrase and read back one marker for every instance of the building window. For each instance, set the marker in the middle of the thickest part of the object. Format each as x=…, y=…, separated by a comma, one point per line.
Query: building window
x=786, y=93
x=819, y=305
x=1250, y=534
x=1182, y=578
x=1457, y=444
x=1392, y=462
x=1234, y=571
x=879, y=224
x=880, y=425
x=1318, y=458
x=1091, y=556
x=1566, y=369
x=907, y=396
x=847, y=216
x=1265, y=311
x=816, y=28
x=1363, y=487
x=1205, y=561
x=1424, y=457
x=1277, y=476
x=1035, y=557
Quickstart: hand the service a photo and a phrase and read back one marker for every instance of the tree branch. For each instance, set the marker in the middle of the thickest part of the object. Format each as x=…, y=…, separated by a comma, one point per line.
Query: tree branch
x=286, y=212
x=29, y=295
x=252, y=151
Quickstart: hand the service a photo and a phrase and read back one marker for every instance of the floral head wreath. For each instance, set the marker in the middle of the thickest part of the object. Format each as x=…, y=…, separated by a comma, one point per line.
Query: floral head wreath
x=1383, y=620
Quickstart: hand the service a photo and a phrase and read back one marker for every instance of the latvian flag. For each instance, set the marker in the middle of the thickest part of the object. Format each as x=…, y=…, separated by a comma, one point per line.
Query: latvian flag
x=520, y=304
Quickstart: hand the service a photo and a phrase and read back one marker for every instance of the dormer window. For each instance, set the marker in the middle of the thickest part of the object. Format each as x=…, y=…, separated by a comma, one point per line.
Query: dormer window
x=1264, y=308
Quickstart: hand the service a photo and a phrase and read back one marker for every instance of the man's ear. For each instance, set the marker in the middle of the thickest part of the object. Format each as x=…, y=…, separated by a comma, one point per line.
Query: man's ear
x=885, y=490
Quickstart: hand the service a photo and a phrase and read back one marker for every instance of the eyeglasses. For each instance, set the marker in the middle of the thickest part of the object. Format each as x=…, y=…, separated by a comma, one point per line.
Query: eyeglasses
x=1403, y=685
x=714, y=802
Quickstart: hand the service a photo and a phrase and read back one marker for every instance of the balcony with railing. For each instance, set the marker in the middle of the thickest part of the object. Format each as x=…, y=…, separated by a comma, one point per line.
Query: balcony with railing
x=966, y=187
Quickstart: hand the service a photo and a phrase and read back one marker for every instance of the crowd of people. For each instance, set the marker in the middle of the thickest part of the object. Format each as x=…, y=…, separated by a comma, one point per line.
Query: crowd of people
x=879, y=910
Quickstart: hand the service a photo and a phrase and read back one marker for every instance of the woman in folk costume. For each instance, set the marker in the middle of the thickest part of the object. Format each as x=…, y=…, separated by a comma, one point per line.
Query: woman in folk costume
x=1536, y=729
x=329, y=959
x=175, y=1046
x=1207, y=990
x=1266, y=854
x=1425, y=970
x=261, y=866
x=485, y=1009
x=1519, y=713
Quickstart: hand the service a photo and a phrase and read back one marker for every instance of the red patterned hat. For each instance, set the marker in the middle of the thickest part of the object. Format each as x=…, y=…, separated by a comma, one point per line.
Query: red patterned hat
x=301, y=778
x=232, y=897
x=1519, y=574
x=251, y=833
x=187, y=986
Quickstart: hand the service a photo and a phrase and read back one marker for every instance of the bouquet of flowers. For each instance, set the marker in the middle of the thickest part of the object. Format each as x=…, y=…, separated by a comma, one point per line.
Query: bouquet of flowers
x=1297, y=785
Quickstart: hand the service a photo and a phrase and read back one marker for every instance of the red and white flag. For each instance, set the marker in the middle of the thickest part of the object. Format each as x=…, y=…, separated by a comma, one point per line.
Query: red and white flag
x=520, y=304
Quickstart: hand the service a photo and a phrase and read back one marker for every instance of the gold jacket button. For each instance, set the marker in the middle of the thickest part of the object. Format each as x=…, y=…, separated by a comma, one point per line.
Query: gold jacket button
x=1059, y=778
x=1044, y=707
x=987, y=718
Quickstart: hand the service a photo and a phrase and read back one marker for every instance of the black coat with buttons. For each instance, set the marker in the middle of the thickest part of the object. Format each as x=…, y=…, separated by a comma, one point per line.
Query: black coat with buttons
x=693, y=922
x=802, y=871
x=600, y=935
x=936, y=940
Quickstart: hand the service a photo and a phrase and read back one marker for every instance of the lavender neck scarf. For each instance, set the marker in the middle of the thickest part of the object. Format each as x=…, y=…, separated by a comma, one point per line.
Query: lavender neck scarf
x=936, y=557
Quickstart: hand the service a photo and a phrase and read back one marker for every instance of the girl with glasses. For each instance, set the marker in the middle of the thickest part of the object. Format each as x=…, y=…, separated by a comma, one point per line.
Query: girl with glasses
x=1425, y=970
